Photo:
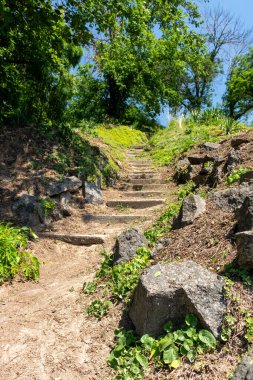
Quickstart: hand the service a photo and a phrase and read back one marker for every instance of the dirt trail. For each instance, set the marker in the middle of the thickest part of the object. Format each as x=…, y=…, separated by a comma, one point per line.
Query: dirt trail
x=44, y=332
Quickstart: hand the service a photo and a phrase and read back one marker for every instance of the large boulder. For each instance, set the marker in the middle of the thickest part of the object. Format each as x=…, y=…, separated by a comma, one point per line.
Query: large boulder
x=192, y=207
x=68, y=184
x=244, y=371
x=183, y=171
x=29, y=210
x=232, y=160
x=244, y=214
x=93, y=194
x=169, y=292
x=244, y=242
x=231, y=199
x=126, y=245
x=209, y=146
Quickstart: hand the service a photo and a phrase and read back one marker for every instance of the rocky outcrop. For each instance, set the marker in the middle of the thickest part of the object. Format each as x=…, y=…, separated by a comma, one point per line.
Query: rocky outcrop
x=244, y=214
x=126, y=245
x=68, y=184
x=236, y=142
x=93, y=194
x=29, y=210
x=233, y=159
x=210, y=146
x=244, y=371
x=168, y=292
x=244, y=242
x=192, y=207
x=231, y=199
x=183, y=171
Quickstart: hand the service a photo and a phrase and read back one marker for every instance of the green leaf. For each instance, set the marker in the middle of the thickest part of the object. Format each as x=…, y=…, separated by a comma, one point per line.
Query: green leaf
x=166, y=341
x=170, y=355
x=191, y=320
x=207, y=338
x=175, y=363
x=142, y=360
x=168, y=326
x=147, y=341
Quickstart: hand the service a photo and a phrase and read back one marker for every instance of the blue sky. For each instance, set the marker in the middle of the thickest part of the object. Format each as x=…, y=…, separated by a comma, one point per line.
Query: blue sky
x=240, y=8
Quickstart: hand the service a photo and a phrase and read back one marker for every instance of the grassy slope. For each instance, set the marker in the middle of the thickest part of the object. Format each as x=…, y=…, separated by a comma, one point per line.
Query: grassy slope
x=171, y=142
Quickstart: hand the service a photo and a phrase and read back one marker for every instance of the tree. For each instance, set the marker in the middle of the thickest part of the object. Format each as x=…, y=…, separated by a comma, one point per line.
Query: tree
x=239, y=94
x=139, y=52
x=225, y=36
x=37, y=49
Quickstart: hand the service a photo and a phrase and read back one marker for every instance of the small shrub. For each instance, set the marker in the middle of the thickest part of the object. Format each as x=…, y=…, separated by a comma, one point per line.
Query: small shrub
x=98, y=309
x=48, y=206
x=13, y=259
x=132, y=355
x=236, y=175
x=89, y=287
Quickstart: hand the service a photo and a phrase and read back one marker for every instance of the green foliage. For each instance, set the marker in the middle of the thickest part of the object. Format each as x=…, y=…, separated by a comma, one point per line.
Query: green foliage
x=163, y=223
x=89, y=287
x=230, y=125
x=123, y=278
x=121, y=136
x=249, y=328
x=131, y=355
x=241, y=272
x=228, y=327
x=47, y=206
x=37, y=49
x=239, y=98
x=236, y=175
x=13, y=259
x=98, y=309
x=171, y=142
x=186, y=189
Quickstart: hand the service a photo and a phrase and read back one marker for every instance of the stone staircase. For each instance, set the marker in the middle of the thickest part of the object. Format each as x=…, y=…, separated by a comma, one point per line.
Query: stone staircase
x=137, y=202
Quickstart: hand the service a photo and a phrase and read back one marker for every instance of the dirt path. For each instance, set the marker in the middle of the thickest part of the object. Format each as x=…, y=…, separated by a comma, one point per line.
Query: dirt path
x=44, y=332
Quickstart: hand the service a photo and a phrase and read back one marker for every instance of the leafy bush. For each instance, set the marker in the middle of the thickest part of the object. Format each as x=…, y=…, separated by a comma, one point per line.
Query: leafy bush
x=122, y=279
x=13, y=259
x=163, y=223
x=236, y=175
x=131, y=355
x=173, y=141
x=47, y=205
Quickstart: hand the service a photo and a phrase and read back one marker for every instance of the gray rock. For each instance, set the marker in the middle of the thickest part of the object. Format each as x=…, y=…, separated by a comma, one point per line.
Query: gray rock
x=236, y=142
x=126, y=245
x=216, y=176
x=192, y=207
x=244, y=214
x=244, y=371
x=169, y=292
x=69, y=184
x=231, y=199
x=247, y=177
x=93, y=194
x=29, y=210
x=196, y=159
x=161, y=243
x=232, y=160
x=244, y=242
x=183, y=171
x=210, y=146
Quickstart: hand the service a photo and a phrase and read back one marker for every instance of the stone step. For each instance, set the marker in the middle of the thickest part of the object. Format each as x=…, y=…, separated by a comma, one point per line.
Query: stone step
x=145, y=187
x=140, y=194
x=75, y=239
x=140, y=162
x=146, y=181
x=143, y=175
x=138, y=146
x=115, y=219
x=136, y=204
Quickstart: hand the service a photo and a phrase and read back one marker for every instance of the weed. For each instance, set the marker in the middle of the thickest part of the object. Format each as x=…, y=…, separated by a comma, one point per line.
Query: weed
x=238, y=272
x=228, y=326
x=89, y=287
x=47, y=206
x=249, y=328
x=98, y=309
x=132, y=355
x=236, y=175
x=163, y=223
x=230, y=125
x=13, y=259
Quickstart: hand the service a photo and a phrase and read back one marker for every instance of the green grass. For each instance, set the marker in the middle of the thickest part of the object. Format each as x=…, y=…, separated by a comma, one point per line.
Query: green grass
x=14, y=260
x=169, y=143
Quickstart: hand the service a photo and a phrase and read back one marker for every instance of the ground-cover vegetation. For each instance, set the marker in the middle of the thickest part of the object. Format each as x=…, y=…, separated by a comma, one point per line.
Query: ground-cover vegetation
x=236, y=175
x=132, y=355
x=14, y=259
x=199, y=127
